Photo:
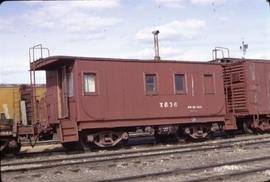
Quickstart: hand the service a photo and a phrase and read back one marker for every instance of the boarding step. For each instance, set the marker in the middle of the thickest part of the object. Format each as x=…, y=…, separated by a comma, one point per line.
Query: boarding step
x=68, y=131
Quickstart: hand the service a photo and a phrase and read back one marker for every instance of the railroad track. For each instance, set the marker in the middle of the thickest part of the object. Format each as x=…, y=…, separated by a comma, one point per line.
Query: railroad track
x=126, y=155
x=61, y=151
x=204, y=173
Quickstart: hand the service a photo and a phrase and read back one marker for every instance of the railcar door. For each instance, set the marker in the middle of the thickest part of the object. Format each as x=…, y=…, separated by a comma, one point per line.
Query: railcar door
x=62, y=99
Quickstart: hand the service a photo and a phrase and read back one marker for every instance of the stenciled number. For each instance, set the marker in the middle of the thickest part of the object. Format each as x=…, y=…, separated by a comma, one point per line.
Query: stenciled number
x=168, y=104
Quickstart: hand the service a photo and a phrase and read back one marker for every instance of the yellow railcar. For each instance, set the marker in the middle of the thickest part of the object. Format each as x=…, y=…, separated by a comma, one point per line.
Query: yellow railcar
x=11, y=96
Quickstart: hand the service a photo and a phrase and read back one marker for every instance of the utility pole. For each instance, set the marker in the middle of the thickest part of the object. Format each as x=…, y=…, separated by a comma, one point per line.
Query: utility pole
x=244, y=48
x=156, y=45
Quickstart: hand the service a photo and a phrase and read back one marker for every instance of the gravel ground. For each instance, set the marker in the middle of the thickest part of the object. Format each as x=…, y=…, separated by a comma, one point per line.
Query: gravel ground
x=108, y=170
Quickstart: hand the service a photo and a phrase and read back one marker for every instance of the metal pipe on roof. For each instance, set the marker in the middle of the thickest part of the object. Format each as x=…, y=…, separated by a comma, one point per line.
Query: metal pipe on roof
x=156, y=45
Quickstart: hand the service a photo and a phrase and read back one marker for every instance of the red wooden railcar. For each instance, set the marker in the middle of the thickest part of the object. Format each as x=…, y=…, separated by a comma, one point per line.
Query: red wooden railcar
x=104, y=100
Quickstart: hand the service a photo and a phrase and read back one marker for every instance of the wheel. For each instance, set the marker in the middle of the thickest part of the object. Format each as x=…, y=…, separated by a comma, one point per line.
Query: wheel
x=247, y=129
x=84, y=145
x=197, y=132
x=179, y=136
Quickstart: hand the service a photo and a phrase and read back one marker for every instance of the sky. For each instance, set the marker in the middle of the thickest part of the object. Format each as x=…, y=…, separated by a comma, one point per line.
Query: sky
x=189, y=30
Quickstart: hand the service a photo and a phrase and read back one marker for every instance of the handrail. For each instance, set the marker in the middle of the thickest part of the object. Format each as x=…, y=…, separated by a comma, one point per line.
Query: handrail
x=32, y=58
x=220, y=49
x=33, y=49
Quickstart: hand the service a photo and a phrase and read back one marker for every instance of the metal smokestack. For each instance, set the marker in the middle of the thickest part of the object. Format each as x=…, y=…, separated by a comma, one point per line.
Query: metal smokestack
x=156, y=45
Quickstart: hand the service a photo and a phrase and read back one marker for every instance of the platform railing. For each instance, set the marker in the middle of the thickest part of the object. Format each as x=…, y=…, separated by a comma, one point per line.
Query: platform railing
x=221, y=50
x=32, y=57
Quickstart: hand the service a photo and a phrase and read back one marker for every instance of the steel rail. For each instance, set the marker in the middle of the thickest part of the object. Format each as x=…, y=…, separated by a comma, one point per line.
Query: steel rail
x=153, y=148
x=41, y=164
x=191, y=170
x=46, y=142
x=239, y=173
x=158, y=149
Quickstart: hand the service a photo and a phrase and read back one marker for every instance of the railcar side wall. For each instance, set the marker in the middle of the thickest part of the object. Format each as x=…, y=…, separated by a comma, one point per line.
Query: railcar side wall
x=120, y=93
x=258, y=87
x=247, y=87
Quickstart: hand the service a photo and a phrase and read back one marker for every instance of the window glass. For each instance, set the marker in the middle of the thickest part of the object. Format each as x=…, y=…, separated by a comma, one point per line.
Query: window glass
x=209, y=87
x=89, y=82
x=70, y=84
x=150, y=83
x=179, y=81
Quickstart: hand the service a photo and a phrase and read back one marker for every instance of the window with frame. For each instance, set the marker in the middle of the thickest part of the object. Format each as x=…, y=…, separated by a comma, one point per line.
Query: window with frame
x=150, y=84
x=209, y=83
x=90, y=85
x=179, y=83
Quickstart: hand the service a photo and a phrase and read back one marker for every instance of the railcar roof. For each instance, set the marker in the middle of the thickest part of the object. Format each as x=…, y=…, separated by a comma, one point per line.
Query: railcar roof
x=48, y=62
x=11, y=85
x=238, y=60
x=44, y=63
